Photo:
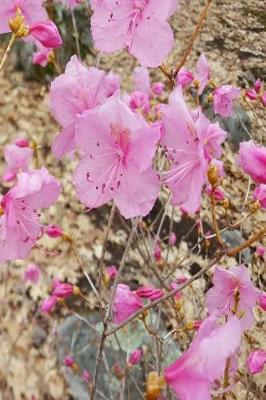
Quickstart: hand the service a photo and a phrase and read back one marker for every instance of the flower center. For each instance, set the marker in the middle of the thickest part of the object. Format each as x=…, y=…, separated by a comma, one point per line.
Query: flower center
x=122, y=140
x=141, y=4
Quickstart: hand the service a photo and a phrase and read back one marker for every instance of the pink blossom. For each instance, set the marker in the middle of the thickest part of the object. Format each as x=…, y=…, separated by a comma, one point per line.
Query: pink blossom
x=125, y=303
x=233, y=292
x=135, y=357
x=63, y=290
x=19, y=225
x=32, y=11
x=17, y=159
x=148, y=292
x=137, y=100
x=22, y=142
x=139, y=25
x=252, y=159
x=158, y=252
x=203, y=73
x=195, y=372
x=223, y=99
x=54, y=231
x=251, y=94
x=262, y=300
x=48, y=304
x=190, y=141
x=119, y=147
x=110, y=273
x=184, y=78
x=32, y=274
x=259, y=195
x=172, y=239
x=157, y=88
x=86, y=376
x=69, y=361
x=77, y=90
x=256, y=361
x=218, y=193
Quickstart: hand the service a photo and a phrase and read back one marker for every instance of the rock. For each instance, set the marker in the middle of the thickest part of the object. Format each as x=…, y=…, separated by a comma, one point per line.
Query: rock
x=234, y=238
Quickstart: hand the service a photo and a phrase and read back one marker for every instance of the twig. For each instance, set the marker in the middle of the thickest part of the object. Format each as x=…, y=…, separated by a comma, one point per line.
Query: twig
x=76, y=33
x=9, y=46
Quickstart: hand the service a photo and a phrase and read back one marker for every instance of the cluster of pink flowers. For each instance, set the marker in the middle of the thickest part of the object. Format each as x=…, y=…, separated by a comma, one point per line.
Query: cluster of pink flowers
x=60, y=291
x=256, y=93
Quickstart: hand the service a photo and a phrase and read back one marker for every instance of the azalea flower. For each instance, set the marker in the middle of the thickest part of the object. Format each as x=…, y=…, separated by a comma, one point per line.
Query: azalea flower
x=256, y=361
x=17, y=159
x=259, y=195
x=223, y=99
x=203, y=73
x=149, y=292
x=140, y=26
x=77, y=90
x=125, y=304
x=191, y=141
x=193, y=375
x=135, y=357
x=252, y=160
x=20, y=227
x=233, y=292
x=119, y=147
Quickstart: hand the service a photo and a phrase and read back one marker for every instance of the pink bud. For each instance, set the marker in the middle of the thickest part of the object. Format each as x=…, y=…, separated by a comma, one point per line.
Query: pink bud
x=135, y=357
x=262, y=301
x=69, y=361
x=32, y=274
x=157, y=252
x=178, y=295
x=110, y=272
x=181, y=279
x=260, y=251
x=9, y=177
x=148, y=292
x=86, y=376
x=172, y=239
x=257, y=85
x=184, y=78
x=22, y=143
x=263, y=99
x=251, y=94
x=48, y=304
x=157, y=88
x=137, y=100
x=218, y=193
x=118, y=370
x=46, y=33
x=256, y=361
x=259, y=194
x=63, y=290
x=53, y=231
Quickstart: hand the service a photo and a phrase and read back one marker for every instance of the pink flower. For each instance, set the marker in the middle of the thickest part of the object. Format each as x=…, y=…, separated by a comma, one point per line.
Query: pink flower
x=252, y=159
x=194, y=373
x=22, y=142
x=262, y=300
x=257, y=85
x=139, y=25
x=137, y=100
x=172, y=239
x=223, y=98
x=157, y=88
x=218, y=193
x=148, y=292
x=251, y=94
x=32, y=273
x=259, y=195
x=46, y=33
x=119, y=147
x=32, y=11
x=158, y=252
x=17, y=159
x=86, y=376
x=77, y=90
x=69, y=361
x=256, y=361
x=110, y=273
x=63, y=290
x=125, y=303
x=19, y=225
x=184, y=78
x=233, y=292
x=135, y=357
x=203, y=73
x=190, y=141
x=54, y=231
x=48, y=304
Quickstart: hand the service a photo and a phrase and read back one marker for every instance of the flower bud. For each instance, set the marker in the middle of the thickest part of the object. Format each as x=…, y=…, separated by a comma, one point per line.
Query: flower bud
x=184, y=78
x=48, y=304
x=257, y=85
x=47, y=34
x=172, y=239
x=86, y=376
x=262, y=301
x=148, y=292
x=157, y=252
x=256, y=361
x=157, y=88
x=69, y=362
x=63, y=290
x=22, y=143
x=53, y=231
x=135, y=357
x=251, y=94
x=109, y=274
x=260, y=251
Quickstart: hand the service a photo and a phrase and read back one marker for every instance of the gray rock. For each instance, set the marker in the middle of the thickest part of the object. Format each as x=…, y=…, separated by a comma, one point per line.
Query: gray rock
x=234, y=238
